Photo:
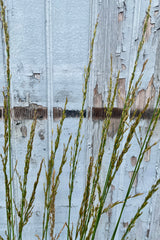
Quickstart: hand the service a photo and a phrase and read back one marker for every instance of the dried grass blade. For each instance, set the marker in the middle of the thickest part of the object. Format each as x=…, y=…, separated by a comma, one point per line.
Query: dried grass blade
x=59, y=234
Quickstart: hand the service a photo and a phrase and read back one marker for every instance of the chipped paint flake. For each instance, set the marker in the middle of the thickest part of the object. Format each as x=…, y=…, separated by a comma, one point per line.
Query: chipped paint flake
x=120, y=16
x=123, y=67
x=149, y=29
x=147, y=156
x=97, y=98
x=24, y=131
x=121, y=93
x=133, y=161
x=156, y=12
x=143, y=96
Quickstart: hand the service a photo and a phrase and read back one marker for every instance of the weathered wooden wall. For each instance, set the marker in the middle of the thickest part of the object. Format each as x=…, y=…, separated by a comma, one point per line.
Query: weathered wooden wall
x=49, y=43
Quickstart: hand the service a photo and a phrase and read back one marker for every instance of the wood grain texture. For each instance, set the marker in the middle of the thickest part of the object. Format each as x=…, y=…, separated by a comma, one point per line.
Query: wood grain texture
x=49, y=43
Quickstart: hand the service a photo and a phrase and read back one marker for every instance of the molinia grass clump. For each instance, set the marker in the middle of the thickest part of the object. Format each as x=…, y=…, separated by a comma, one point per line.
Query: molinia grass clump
x=94, y=196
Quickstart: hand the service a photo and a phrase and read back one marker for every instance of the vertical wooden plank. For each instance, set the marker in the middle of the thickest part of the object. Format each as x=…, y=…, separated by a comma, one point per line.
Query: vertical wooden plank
x=70, y=55
x=29, y=85
x=119, y=32
x=47, y=66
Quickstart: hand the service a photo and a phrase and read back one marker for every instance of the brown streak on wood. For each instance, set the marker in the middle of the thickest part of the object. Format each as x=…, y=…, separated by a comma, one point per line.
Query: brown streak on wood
x=146, y=115
x=57, y=113
x=22, y=113
x=100, y=113
x=28, y=112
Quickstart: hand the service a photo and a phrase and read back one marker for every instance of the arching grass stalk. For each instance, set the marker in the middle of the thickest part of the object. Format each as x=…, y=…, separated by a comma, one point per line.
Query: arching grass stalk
x=74, y=159
x=112, y=205
x=139, y=212
x=7, y=47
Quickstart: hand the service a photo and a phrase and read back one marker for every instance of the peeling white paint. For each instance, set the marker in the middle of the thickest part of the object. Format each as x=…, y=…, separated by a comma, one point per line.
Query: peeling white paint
x=49, y=48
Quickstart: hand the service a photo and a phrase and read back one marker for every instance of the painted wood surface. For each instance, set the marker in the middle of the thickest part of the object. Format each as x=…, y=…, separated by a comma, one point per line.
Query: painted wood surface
x=49, y=43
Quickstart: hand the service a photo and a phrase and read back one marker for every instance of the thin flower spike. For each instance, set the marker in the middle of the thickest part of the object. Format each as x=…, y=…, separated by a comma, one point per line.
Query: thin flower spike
x=10, y=222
